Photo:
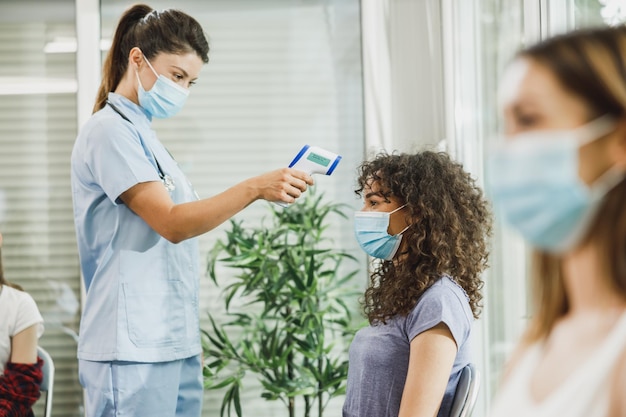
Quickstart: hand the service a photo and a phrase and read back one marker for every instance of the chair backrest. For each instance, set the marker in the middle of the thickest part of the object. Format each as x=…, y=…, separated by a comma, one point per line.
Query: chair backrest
x=466, y=392
x=47, y=384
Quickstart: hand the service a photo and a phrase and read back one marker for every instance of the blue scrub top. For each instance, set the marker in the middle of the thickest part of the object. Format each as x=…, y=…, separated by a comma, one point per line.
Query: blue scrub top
x=142, y=290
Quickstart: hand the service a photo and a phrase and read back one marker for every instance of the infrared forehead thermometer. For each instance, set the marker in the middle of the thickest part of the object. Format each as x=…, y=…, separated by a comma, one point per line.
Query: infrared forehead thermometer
x=315, y=160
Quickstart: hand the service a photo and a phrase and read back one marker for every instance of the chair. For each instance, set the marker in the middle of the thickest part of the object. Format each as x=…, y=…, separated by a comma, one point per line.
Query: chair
x=47, y=384
x=466, y=392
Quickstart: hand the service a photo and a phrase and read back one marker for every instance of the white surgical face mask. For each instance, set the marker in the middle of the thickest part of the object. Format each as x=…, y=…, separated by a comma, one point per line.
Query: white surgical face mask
x=370, y=228
x=164, y=99
x=533, y=180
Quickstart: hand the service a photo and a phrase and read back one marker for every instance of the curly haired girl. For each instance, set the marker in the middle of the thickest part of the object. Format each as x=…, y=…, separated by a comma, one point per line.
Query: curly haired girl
x=429, y=223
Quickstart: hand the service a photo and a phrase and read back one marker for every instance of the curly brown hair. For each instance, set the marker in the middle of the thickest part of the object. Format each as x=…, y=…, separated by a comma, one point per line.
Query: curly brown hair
x=451, y=228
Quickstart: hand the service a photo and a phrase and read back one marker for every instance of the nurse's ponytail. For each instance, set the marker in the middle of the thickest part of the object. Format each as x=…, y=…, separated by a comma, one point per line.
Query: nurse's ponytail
x=169, y=31
x=116, y=61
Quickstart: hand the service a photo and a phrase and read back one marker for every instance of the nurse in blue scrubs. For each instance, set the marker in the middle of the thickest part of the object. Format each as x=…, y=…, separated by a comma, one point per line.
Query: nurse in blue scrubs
x=136, y=219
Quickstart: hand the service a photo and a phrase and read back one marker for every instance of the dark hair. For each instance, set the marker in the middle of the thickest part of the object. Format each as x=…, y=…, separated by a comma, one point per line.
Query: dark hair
x=169, y=31
x=3, y=281
x=591, y=64
x=451, y=224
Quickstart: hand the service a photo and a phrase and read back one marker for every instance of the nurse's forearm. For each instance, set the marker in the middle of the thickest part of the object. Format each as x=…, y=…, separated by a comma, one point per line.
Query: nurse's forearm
x=176, y=223
x=201, y=216
x=198, y=217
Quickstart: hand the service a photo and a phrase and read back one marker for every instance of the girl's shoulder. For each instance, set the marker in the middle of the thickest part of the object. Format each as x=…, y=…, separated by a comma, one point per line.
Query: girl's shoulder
x=444, y=300
x=446, y=288
x=20, y=310
x=15, y=298
x=617, y=400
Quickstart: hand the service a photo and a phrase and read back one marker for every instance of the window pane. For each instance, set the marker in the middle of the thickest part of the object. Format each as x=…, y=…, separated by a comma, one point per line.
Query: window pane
x=501, y=35
x=594, y=13
x=483, y=37
x=37, y=130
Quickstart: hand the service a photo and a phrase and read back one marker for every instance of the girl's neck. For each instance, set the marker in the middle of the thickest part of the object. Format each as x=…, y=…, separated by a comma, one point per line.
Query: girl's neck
x=587, y=282
x=128, y=88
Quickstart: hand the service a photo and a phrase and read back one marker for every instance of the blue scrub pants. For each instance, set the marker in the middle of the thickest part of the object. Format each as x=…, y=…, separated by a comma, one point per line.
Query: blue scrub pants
x=132, y=389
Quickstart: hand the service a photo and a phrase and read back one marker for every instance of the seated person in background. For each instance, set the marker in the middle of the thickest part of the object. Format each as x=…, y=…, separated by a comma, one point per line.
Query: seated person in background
x=428, y=222
x=21, y=325
x=559, y=178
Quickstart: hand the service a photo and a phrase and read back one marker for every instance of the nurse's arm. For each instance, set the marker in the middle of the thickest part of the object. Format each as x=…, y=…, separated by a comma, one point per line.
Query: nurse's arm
x=177, y=222
x=431, y=358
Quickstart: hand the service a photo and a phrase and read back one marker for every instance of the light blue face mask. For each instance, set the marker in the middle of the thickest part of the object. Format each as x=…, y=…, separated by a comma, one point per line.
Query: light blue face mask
x=164, y=99
x=533, y=180
x=370, y=228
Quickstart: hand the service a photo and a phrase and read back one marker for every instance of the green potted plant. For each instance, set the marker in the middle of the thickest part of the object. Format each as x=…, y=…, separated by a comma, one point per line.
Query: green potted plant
x=295, y=329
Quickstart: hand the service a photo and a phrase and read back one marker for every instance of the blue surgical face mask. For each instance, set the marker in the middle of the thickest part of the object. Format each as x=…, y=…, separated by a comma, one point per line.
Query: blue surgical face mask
x=533, y=180
x=164, y=99
x=370, y=228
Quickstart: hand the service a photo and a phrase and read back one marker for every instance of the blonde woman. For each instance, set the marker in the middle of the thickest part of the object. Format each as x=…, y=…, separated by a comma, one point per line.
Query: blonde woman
x=559, y=179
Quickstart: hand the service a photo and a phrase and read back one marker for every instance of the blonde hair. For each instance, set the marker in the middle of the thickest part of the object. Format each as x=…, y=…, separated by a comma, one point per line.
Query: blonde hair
x=591, y=64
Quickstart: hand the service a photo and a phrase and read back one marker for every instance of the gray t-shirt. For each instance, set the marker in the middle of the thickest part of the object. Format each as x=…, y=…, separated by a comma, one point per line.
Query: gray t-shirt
x=379, y=355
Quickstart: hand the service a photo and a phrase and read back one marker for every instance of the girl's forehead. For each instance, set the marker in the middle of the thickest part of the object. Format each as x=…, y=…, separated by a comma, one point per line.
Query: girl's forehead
x=512, y=81
x=190, y=62
x=373, y=186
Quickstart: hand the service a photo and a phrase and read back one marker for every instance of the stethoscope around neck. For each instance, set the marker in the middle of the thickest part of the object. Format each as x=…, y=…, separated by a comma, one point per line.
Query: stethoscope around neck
x=168, y=182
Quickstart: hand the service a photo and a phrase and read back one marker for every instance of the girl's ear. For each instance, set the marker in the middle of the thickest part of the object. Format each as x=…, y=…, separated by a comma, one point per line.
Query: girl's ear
x=135, y=58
